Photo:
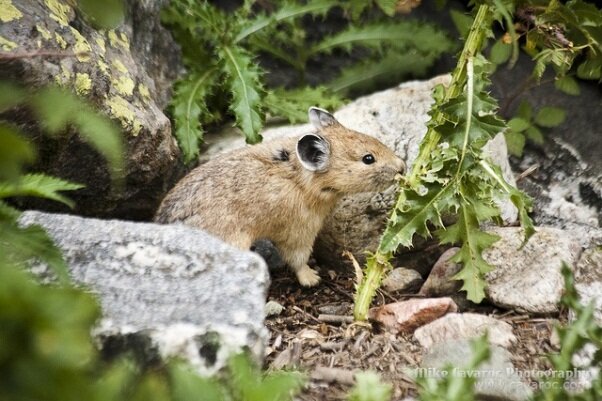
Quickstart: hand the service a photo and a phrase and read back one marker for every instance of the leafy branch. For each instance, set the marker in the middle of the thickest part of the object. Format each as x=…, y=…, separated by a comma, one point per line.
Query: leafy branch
x=452, y=176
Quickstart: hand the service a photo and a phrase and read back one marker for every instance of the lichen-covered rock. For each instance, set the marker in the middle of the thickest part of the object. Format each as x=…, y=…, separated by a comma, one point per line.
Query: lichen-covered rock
x=126, y=72
x=164, y=290
x=528, y=279
x=397, y=117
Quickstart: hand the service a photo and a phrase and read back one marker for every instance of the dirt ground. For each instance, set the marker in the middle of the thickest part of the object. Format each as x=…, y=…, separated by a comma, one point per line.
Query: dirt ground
x=314, y=334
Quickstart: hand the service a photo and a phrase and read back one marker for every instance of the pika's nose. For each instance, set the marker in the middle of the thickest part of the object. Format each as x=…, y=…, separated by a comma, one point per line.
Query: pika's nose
x=401, y=166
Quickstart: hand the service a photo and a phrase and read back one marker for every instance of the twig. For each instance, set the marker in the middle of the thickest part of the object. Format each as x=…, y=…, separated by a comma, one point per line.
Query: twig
x=335, y=319
x=333, y=375
x=332, y=346
x=296, y=308
x=527, y=172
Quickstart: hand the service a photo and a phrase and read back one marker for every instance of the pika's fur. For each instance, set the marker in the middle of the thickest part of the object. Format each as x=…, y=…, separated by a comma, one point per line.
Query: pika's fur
x=282, y=190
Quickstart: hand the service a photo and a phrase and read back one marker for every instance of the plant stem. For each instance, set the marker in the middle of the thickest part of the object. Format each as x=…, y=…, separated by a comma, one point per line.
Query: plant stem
x=378, y=264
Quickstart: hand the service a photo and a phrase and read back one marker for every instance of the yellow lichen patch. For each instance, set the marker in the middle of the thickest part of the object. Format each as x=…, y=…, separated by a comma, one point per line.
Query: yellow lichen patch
x=144, y=93
x=119, y=40
x=120, y=109
x=63, y=77
x=101, y=43
x=7, y=45
x=103, y=67
x=8, y=11
x=59, y=39
x=120, y=67
x=124, y=85
x=44, y=32
x=82, y=48
x=83, y=84
x=59, y=11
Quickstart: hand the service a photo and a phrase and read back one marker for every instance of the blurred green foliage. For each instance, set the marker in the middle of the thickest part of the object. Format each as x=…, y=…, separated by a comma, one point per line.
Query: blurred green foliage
x=221, y=47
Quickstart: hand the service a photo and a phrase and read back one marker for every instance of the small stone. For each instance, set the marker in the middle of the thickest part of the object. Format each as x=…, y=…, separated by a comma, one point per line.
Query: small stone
x=588, y=280
x=528, y=279
x=406, y=316
x=455, y=326
x=402, y=280
x=497, y=378
x=439, y=282
x=273, y=308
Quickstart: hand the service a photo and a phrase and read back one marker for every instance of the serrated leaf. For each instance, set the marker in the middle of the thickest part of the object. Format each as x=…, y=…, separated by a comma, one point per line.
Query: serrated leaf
x=474, y=241
x=518, y=124
x=590, y=69
x=515, y=141
x=408, y=34
x=390, y=69
x=243, y=81
x=39, y=185
x=500, y=52
x=567, y=85
x=550, y=116
x=188, y=107
x=293, y=104
x=534, y=134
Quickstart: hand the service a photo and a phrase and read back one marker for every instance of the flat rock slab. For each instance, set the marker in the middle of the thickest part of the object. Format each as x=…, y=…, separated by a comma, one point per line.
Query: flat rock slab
x=178, y=291
x=497, y=379
x=456, y=326
x=406, y=316
x=528, y=279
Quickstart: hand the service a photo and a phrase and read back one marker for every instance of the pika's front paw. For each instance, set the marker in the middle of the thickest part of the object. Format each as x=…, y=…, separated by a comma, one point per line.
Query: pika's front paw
x=307, y=276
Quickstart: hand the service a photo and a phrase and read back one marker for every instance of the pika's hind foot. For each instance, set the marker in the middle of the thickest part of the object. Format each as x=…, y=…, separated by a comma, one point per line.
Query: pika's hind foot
x=307, y=276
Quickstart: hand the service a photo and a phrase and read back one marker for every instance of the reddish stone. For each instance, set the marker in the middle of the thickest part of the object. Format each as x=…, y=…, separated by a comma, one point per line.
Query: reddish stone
x=406, y=316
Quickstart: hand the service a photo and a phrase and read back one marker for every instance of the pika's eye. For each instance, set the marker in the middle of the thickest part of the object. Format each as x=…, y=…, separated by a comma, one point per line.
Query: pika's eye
x=368, y=159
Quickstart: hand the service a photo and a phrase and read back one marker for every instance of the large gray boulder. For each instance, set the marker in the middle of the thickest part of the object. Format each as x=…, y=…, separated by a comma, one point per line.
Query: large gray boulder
x=397, y=117
x=171, y=290
x=125, y=72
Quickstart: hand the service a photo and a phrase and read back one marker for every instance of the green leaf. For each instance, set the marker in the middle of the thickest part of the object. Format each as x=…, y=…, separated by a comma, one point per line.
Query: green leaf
x=243, y=81
x=500, y=52
x=550, y=116
x=387, y=6
x=39, y=185
x=427, y=38
x=515, y=141
x=518, y=124
x=189, y=105
x=525, y=111
x=11, y=95
x=567, y=85
x=293, y=104
x=368, y=387
x=390, y=69
x=590, y=69
x=474, y=242
x=187, y=385
x=534, y=134
x=461, y=21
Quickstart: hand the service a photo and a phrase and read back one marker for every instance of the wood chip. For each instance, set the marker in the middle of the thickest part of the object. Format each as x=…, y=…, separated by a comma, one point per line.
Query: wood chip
x=333, y=375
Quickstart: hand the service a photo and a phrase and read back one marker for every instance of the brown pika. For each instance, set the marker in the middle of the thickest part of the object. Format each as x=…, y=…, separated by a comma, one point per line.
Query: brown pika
x=282, y=190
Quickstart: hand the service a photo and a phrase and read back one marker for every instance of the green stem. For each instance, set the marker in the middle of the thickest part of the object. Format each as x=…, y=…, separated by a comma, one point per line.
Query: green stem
x=473, y=45
x=378, y=264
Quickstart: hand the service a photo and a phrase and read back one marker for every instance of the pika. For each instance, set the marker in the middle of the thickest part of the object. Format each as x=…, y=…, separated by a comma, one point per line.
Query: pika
x=282, y=190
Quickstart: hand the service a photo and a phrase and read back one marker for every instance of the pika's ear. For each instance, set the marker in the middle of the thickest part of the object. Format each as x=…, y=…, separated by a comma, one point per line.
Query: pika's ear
x=313, y=152
x=320, y=118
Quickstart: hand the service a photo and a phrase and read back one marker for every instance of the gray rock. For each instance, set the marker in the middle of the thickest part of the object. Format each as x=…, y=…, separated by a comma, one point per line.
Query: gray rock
x=588, y=280
x=273, y=308
x=497, y=379
x=439, y=282
x=528, y=279
x=397, y=117
x=456, y=326
x=126, y=72
x=402, y=280
x=178, y=290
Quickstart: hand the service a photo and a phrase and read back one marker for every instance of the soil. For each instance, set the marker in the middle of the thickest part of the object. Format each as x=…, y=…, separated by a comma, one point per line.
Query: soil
x=303, y=338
